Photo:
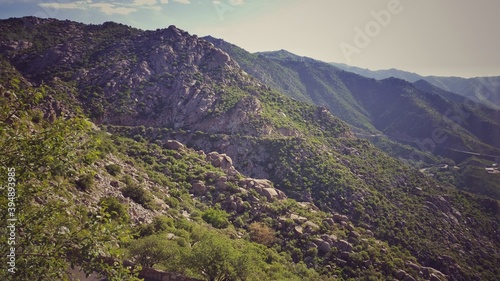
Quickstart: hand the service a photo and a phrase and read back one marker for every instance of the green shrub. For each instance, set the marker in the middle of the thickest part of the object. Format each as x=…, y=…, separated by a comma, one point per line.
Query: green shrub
x=217, y=218
x=113, y=169
x=115, y=209
x=162, y=223
x=171, y=202
x=137, y=193
x=85, y=182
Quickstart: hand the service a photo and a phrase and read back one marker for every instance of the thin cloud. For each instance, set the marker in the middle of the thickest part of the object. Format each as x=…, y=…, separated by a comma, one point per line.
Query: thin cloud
x=144, y=2
x=106, y=8
x=236, y=2
x=79, y=5
x=164, y=1
x=183, y=1
x=111, y=9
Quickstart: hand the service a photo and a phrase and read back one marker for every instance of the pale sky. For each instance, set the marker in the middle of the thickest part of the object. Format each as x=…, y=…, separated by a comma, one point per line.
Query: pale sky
x=429, y=37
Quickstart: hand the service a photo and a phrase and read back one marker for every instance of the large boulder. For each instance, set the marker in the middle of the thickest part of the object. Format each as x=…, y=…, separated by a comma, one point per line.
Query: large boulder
x=198, y=188
x=220, y=160
x=344, y=246
x=265, y=188
x=323, y=246
x=340, y=218
x=174, y=145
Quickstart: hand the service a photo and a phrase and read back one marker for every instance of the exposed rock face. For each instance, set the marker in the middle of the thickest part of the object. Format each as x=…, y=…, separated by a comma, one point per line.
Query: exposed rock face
x=344, y=246
x=220, y=160
x=264, y=187
x=323, y=246
x=199, y=188
x=340, y=218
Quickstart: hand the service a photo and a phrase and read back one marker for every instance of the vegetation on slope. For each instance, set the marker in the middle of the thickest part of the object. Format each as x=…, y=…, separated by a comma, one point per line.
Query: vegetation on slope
x=352, y=212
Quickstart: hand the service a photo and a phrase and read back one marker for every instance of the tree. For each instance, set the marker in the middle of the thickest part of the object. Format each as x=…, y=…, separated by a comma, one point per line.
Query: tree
x=49, y=233
x=213, y=258
x=217, y=218
x=218, y=258
x=155, y=249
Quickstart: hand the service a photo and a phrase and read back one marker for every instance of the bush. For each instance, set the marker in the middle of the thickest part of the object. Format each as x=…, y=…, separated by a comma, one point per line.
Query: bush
x=85, y=182
x=261, y=233
x=217, y=218
x=162, y=223
x=113, y=169
x=137, y=193
x=115, y=209
x=171, y=202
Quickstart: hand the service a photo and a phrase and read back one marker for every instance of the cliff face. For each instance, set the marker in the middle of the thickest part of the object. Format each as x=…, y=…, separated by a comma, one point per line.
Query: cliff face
x=166, y=84
x=129, y=77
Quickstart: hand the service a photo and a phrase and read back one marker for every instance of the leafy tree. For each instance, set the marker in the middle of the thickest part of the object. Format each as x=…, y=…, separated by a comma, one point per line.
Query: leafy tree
x=217, y=218
x=51, y=234
x=215, y=258
x=155, y=249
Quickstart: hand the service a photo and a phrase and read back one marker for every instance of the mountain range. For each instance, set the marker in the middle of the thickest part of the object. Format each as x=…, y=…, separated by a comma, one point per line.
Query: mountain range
x=484, y=90
x=192, y=156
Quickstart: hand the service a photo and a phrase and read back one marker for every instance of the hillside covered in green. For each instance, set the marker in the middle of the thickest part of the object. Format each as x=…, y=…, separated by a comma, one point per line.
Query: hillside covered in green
x=138, y=151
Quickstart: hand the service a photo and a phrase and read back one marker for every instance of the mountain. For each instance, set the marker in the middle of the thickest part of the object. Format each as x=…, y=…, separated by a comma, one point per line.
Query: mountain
x=380, y=74
x=483, y=90
x=157, y=147
x=399, y=110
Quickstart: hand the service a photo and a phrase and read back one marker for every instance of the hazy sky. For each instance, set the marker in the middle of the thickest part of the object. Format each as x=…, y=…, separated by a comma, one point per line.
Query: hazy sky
x=429, y=37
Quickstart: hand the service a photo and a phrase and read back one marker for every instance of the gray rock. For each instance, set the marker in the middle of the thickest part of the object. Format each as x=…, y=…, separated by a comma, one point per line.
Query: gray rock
x=299, y=230
x=409, y=278
x=329, y=222
x=270, y=193
x=340, y=218
x=198, y=188
x=354, y=234
x=174, y=145
x=434, y=277
x=311, y=226
x=345, y=255
x=344, y=246
x=324, y=247
x=400, y=274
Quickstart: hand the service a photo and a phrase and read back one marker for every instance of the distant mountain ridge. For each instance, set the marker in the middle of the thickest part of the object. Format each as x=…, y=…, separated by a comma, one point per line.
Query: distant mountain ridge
x=485, y=90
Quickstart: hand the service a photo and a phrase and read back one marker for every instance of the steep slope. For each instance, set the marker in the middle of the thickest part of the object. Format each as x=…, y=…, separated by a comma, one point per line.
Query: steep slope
x=380, y=108
x=409, y=115
x=301, y=78
x=156, y=86
x=479, y=120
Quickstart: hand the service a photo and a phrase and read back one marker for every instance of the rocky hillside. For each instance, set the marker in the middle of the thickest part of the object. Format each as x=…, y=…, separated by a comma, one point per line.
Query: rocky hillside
x=426, y=126
x=201, y=149
x=387, y=107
